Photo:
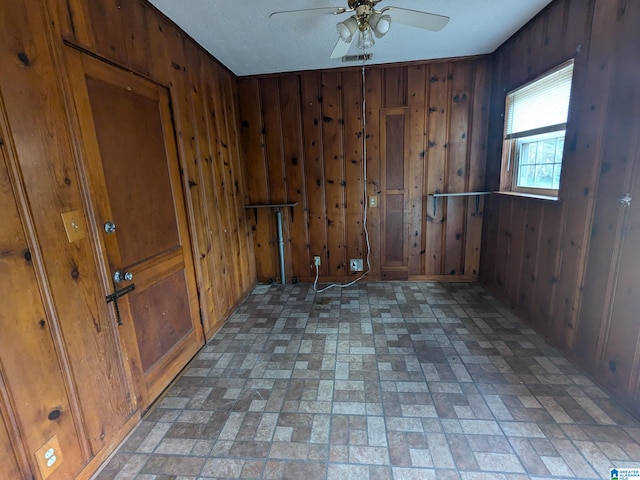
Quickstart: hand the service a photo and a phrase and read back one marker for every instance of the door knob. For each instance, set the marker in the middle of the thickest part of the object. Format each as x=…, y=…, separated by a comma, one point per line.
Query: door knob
x=118, y=276
x=109, y=227
x=626, y=200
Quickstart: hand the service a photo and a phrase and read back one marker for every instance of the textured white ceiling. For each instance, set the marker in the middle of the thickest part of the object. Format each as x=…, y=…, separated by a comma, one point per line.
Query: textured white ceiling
x=240, y=34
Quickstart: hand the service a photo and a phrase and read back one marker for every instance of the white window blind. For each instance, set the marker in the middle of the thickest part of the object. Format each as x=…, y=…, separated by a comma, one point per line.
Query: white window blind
x=541, y=106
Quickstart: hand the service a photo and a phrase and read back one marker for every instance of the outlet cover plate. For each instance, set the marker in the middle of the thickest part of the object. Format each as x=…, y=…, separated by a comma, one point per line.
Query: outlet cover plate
x=49, y=457
x=356, y=265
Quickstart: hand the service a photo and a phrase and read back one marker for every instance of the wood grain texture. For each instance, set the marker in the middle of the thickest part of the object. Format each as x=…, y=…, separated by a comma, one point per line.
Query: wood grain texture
x=334, y=170
x=328, y=182
x=85, y=338
x=416, y=190
x=32, y=385
x=43, y=145
x=565, y=265
x=10, y=465
x=437, y=158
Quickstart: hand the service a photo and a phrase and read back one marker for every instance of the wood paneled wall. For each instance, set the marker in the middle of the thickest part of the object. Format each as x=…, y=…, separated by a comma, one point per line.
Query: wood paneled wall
x=558, y=262
x=61, y=362
x=302, y=137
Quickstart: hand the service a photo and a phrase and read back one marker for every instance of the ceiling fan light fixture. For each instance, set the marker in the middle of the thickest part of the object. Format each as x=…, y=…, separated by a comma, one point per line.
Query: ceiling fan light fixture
x=347, y=28
x=365, y=39
x=379, y=24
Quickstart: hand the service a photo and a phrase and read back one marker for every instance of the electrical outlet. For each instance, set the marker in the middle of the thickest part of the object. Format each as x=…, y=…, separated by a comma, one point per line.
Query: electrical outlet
x=316, y=260
x=373, y=201
x=49, y=457
x=356, y=265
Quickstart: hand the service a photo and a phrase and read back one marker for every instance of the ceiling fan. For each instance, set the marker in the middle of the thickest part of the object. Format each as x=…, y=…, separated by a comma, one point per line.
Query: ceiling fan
x=366, y=21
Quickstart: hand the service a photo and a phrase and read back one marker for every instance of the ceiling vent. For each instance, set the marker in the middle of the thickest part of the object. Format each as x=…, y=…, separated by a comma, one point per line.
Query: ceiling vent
x=357, y=58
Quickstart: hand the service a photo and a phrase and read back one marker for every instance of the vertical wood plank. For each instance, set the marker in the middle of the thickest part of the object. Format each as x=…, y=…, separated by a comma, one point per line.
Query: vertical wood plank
x=10, y=462
x=314, y=167
x=224, y=188
x=552, y=34
x=530, y=251
x=252, y=135
x=395, y=88
x=477, y=165
x=578, y=18
x=333, y=149
x=231, y=186
x=354, y=194
x=490, y=237
x=199, y=194
x=215, y=200
x=134, y=15
x=544, y=313
x=79, y=22
x=298, y=256
x=273, y=138
x=247, y=275
x=514, y=254
x=60, y=15
x=417, y=100
x=436, y=170
x=373, y=94
x=108, y=22
x=503, y=241
x=457, y=168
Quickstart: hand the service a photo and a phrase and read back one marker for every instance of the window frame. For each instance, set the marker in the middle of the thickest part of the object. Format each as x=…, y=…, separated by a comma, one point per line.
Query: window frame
x=511, y=142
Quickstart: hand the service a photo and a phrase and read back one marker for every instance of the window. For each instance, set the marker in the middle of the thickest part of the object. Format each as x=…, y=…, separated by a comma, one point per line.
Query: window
x=535, y=125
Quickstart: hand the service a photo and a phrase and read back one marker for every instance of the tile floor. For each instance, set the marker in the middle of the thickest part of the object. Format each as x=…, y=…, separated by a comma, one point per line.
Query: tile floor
x=397, y=381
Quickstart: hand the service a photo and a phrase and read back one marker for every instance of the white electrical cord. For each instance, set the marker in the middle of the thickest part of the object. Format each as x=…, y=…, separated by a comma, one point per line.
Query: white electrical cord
x=364, y=189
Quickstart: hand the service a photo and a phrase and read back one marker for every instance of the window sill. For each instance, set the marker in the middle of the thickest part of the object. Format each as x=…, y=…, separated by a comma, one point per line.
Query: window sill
x=547, y=198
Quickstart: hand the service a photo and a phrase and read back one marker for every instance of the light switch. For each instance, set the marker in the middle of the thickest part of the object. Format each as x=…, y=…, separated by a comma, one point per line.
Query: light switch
x=74, y=225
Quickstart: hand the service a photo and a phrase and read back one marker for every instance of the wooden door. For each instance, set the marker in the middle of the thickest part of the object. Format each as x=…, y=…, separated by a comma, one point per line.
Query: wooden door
x=620, y=361
x=394, y=256
x=133, y=179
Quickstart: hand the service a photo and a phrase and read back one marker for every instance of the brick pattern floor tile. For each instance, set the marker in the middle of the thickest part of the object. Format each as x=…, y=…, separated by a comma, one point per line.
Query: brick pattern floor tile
x=389, y=381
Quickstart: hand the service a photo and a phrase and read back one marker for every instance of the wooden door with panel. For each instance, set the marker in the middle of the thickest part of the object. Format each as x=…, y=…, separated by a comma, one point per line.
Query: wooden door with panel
x=394, y=147
x=135, y=193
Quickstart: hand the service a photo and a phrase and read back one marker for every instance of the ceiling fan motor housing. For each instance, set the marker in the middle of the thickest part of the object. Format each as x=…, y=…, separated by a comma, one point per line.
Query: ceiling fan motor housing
x=363, y=10
x=354, y=4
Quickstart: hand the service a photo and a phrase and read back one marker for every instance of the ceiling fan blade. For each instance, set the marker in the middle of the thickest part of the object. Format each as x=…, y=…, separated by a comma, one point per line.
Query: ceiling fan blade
x=427, y=21
x=311, y=12
x=341, y=49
